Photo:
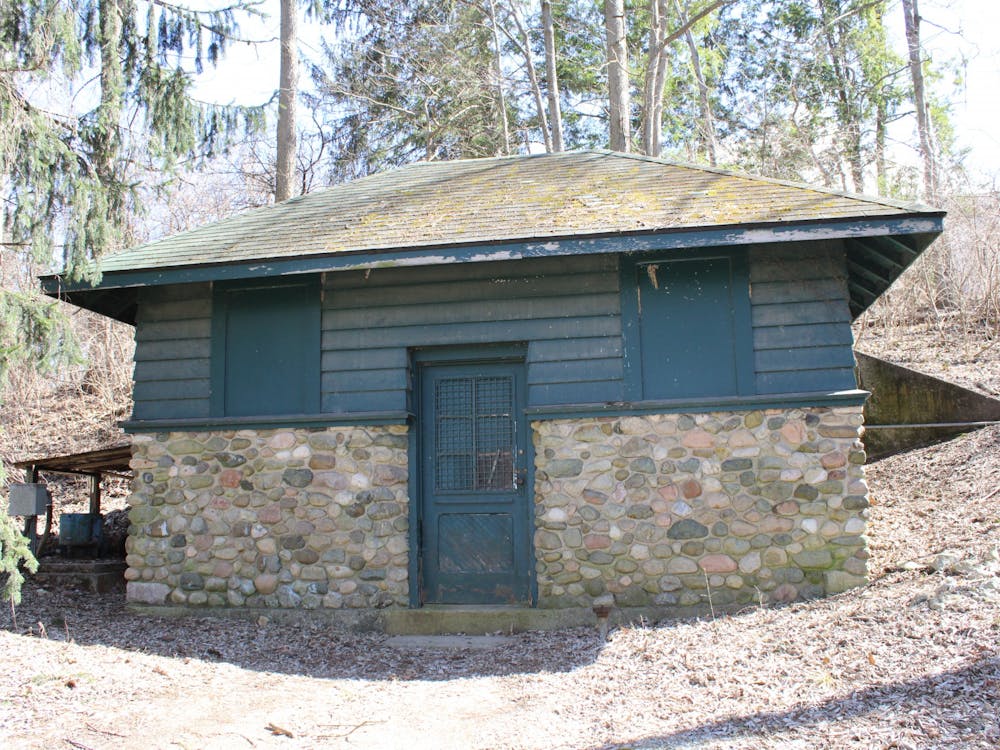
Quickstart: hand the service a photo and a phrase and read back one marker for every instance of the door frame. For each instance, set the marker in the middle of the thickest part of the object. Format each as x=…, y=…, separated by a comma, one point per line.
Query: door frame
x=514, y=353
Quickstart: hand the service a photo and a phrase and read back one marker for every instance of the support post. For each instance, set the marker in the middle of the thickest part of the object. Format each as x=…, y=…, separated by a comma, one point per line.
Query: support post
x=95, y=493
x=31, y=522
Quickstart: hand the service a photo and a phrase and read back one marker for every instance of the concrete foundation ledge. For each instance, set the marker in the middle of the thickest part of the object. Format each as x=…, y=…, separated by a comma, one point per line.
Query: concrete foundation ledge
x=440, y=620
x=97, y=576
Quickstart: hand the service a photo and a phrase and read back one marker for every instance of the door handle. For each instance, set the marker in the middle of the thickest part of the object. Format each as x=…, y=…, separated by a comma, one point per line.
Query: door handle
x=520, y=478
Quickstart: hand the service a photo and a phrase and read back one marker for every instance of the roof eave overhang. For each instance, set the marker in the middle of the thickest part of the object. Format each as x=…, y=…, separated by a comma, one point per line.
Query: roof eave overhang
x=879, y=249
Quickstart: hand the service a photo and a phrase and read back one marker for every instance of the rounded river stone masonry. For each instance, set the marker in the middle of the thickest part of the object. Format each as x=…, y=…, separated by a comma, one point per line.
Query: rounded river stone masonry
x=684, y=510
x=290, y=518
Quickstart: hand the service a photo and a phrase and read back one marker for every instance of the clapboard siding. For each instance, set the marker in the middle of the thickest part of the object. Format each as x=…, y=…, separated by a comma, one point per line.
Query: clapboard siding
x=568, y=393
x=157, y=390
x=181, y=309
x=800, y=317
x=813, y=358
x=173, y=346
x=436, y=313
x=805, y=290
x=598, y=347
x=190, y=329
x=179, y=370
x=566, y=311
x=474, y=332
x=375, y=380
x=793, y=338
x=157, y=351
x=805, y=381
x=339, y=402
x=797, y=313
x=574, y=371
x=381, y=293
x=349, y=360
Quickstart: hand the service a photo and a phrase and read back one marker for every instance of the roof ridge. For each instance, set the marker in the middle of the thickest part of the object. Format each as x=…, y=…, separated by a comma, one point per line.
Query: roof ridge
x=877, y=199
x=911, y=205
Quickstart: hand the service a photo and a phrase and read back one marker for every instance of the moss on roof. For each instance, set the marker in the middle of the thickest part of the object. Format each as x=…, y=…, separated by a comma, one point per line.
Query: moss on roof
x=504, y=199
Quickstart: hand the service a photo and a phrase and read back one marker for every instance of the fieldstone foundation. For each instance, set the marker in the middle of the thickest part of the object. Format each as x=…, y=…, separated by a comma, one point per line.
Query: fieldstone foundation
x=691, y=511
x=678, y=513
x=290, y=518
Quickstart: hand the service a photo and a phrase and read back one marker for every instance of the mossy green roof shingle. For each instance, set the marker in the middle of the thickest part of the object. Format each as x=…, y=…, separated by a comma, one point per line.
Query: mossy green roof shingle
x=434, y=204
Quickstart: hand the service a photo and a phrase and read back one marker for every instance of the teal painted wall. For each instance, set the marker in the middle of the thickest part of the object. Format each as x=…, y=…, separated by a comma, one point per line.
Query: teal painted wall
x=172, y=351
x=801, y=321
x=568, y=312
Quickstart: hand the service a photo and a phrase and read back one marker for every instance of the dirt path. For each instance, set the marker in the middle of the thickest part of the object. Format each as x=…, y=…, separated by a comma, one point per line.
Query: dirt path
x=911, y=661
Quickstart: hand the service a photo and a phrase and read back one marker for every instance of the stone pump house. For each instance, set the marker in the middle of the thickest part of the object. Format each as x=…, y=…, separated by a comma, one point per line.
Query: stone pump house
x=542, y=381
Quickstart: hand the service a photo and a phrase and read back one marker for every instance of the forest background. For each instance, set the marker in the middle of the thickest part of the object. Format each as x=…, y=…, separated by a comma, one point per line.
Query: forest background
x=113, y=133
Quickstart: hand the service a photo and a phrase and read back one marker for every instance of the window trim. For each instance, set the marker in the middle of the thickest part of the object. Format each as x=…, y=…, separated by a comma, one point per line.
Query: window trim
x=629, y=266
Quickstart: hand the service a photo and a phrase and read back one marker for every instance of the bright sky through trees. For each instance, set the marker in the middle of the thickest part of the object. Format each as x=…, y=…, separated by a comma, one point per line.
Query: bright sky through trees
x=959, y=31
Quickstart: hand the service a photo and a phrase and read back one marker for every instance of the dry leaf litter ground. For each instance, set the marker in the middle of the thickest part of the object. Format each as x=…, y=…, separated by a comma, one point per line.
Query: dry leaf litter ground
x=911, y=661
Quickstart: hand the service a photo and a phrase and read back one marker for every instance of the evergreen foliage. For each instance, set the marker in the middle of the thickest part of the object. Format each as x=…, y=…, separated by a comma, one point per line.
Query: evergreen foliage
x=75, y=175
x=798, y=89
x=14, y=552
x=406, y=81
x=94, y=102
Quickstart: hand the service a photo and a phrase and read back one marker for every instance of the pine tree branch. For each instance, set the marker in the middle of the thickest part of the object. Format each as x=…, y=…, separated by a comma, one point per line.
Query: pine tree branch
x=219, y=31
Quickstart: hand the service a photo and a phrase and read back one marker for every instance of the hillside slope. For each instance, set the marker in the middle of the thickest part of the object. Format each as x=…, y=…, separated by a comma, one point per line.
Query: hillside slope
x=913, y=660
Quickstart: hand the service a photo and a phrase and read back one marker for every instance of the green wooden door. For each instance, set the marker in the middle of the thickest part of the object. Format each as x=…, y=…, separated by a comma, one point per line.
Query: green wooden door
x=474, y=539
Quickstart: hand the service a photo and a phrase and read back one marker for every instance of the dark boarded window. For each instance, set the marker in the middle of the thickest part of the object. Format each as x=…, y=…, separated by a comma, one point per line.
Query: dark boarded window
x=266, y=349
x=693, y=325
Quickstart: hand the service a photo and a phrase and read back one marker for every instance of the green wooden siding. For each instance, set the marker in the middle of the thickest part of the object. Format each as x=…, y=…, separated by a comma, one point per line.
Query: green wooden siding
x=567, y=313
x=801, y=320
x=687, y=325
x=172, y=352
x=265, y=348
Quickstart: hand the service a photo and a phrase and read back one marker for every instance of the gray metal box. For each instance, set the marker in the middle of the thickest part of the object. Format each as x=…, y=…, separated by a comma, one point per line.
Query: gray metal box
x=28, y=499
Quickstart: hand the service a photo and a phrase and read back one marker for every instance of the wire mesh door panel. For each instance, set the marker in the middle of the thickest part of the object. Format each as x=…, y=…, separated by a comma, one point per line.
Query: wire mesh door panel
x=473, y=539
x=474, y=436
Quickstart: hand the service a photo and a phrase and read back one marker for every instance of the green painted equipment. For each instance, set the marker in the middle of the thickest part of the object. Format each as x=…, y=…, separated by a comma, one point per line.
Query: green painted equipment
x=80, y=529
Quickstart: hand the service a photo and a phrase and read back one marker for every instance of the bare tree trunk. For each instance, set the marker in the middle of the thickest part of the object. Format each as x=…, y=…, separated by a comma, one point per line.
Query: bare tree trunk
x=618, y=84
x=911, y=15
x=536, y=89
x=704, y=103
x=284, y=173
x=501, y=97
x=848, y=116
x=880, y=136
x=552, y=79
x=652, y=87
x=656, y=64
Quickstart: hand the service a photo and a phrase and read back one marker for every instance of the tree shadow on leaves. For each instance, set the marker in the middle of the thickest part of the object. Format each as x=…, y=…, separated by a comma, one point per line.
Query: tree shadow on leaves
x=307, y=646
x=976, y=682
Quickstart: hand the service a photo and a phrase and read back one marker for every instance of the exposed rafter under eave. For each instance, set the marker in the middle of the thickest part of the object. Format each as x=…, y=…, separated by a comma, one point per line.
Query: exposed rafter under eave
x=874, y=263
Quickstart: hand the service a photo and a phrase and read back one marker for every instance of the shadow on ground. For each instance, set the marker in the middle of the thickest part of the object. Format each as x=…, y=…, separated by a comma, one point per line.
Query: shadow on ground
x=309, y=648
x=919, y=703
